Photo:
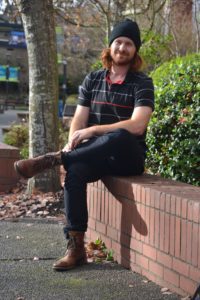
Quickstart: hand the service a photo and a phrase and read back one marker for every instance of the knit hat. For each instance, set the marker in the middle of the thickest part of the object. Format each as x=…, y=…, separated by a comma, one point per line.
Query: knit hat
x=129, y=29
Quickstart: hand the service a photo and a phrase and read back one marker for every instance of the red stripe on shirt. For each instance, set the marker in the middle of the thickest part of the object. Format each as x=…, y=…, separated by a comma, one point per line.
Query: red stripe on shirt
x=112, y=104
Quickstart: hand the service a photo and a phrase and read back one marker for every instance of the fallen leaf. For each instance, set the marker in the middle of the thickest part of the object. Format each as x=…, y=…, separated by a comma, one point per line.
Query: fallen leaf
x=164, y=289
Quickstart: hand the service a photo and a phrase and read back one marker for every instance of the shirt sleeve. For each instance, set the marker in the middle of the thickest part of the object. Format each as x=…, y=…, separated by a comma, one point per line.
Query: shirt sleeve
x=85, y=91
x=144, y=93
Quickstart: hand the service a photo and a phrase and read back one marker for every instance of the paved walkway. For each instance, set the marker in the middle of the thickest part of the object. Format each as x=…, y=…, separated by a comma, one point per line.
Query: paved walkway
x=27, y=252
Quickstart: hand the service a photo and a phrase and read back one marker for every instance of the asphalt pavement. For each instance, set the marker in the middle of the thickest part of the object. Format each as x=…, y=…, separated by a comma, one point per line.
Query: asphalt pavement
x=28, y=249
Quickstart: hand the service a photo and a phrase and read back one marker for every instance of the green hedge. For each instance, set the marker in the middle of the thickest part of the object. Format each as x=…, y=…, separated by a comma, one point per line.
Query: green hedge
x=174, y=133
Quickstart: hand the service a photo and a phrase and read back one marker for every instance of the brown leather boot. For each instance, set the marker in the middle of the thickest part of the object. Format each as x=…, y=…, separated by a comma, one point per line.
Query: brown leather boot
x=28, y=168
x=75, y=254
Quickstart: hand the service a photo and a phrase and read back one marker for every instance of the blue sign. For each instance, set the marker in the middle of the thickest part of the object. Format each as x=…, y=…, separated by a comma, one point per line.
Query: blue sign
x=17, y=39
x=13, y=74
x=3, y=73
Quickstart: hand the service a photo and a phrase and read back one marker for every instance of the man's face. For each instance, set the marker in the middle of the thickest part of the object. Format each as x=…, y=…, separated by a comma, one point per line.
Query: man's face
x=122, y=51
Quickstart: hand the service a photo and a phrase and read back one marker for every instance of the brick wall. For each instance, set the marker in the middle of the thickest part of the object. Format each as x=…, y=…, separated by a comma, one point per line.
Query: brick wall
x=8, y=176
x=153, y=226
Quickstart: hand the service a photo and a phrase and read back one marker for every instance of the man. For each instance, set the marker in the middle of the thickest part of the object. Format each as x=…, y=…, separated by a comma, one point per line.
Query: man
x=107, y=134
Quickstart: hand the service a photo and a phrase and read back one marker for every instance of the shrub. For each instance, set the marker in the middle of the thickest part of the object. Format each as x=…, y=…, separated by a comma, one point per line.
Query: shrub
x=174, y=133
x=18, y=137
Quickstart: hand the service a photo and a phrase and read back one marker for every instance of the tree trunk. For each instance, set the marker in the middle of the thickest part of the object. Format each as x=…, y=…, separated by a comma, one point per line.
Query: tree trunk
x=38, y=21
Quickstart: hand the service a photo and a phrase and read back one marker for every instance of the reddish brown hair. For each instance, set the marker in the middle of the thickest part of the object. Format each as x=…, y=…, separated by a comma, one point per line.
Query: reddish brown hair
x=107, y=60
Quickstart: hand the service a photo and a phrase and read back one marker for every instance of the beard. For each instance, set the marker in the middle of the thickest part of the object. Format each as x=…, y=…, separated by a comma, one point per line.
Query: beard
x=122, y=58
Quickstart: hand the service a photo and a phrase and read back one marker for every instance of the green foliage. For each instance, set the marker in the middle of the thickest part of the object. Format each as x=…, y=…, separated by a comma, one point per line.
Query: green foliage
x=96, y=66
x=174, y=133
x=155, y=49
x=18, y=137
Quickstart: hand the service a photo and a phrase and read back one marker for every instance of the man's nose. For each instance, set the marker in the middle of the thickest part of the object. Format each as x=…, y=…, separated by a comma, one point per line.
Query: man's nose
x=122, y=47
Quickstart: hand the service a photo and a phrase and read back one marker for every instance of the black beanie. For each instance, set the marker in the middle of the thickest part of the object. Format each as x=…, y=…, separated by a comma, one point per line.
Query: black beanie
x=129, y=29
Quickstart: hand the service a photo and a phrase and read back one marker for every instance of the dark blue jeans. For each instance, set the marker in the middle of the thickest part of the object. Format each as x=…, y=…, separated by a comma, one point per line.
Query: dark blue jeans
x=114, y=153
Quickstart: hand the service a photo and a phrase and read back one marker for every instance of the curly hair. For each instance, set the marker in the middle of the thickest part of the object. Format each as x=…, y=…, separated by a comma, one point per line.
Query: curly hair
x=107, y=60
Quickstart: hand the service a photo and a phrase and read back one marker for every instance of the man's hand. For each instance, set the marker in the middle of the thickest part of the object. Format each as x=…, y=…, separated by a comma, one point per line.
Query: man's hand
x=77, y=137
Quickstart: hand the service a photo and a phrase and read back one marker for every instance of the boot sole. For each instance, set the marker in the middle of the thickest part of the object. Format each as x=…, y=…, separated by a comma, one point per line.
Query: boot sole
x=19, y=172
x=79, y=263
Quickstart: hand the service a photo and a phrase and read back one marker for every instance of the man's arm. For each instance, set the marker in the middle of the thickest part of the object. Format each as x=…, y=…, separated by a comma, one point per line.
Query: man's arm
x=79, y=121
x=137, y=125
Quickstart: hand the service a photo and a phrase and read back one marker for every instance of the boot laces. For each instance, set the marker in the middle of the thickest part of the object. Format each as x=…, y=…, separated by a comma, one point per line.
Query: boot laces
x=48, y=161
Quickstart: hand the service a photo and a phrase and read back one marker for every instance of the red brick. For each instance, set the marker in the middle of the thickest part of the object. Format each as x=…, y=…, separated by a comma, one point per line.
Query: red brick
x=124, y=262
x=183, y=239
x=93, y=235
x=171, y=277
x=196, y=216
x=162, y=201
x=127, y=254
x=149, y=275
x=168, y=203
x=152, y=198
x=133, y=192
x=195, y=244
x=106, y=207
x=114, y=212
x=91, y=223
x=157, y=228
x=180, y=267
x=125, y=239
x=156, y=268
x=178, y=206
x=107, y=241
x=138, y=193
x=152, y=226
x=149, y=251
x=190, y=211
x=136, y=245
x=187, y=285
x=194, y=274
x=166, y=237
x=110, y=209
x=162, y=230
x=164, y=259
x=100, y=227
x=98, y=207
x=177, y=237
x=112, y=233
x=136, y=268
x=102, y=219
x=142, y=261
x=199, y=248
x=148, y=196
x=157, y=195
x=173, y=205
x=138, y=222
x=144, y=230
x=116, y=247
x=94, y=203
x=147, y=221
x=172, y=235
x=189, y=243
x=118, y=214
x=184, y=208
x=143, y=195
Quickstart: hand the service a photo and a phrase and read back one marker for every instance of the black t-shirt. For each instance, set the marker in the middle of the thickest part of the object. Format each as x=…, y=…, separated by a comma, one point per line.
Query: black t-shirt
x=111, y=103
